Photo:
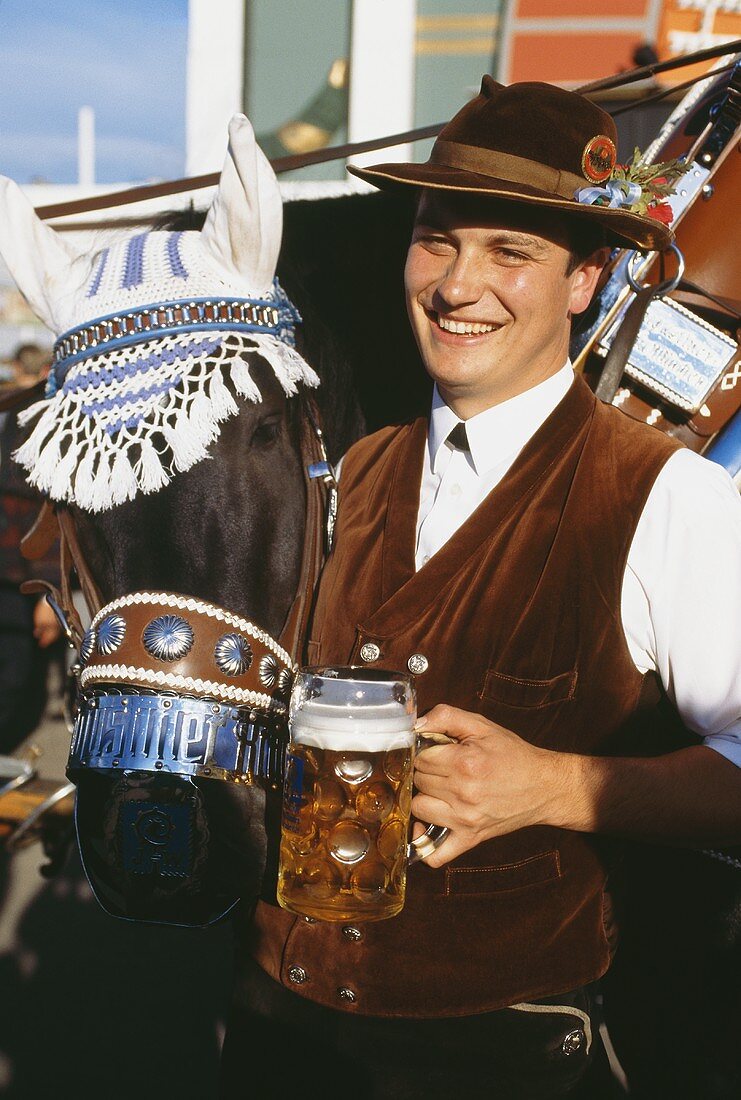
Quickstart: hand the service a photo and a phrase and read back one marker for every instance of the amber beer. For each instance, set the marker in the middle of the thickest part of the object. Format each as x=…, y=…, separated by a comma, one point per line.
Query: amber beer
x=347, y=795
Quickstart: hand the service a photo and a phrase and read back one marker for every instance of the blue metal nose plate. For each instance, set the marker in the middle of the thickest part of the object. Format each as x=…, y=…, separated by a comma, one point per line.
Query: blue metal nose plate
x=171, y=802
x=133, y=731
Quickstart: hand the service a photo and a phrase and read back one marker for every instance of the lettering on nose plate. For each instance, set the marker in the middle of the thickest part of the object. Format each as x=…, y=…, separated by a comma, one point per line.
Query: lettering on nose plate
x=155, y=732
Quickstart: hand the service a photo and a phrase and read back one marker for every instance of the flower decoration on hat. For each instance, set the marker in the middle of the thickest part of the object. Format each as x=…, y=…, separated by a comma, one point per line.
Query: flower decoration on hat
x=637, y=188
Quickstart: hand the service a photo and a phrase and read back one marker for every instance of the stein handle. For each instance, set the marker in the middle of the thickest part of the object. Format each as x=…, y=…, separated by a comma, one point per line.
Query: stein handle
x=434, y=835
x=426, y=844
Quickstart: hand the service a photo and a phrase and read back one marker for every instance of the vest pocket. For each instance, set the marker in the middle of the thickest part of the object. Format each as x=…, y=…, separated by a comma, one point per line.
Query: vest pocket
x=512, y=691
x=544, y=867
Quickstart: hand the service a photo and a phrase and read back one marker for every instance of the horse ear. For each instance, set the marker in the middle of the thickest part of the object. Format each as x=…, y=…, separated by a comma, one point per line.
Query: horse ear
x=34, y=253
x=243, y=228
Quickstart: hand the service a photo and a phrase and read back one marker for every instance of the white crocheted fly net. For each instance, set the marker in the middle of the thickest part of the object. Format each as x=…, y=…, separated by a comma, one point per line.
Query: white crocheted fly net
x=125, y=422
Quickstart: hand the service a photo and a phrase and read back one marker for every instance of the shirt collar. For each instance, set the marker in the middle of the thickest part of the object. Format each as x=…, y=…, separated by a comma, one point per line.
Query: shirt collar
x=502, y=430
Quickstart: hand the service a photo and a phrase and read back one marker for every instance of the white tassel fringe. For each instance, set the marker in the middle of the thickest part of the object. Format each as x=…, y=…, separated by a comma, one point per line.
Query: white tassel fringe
x=70, y=454
x=150, y=471
x=83, y=488
x=123, y=479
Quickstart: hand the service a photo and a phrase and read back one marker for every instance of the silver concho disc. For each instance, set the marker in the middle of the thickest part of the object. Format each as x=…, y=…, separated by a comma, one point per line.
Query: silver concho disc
x=233, y=654
x=268, y=671
x=109, y=634
x=168, y=638
x=87, y=645
x=285, y=681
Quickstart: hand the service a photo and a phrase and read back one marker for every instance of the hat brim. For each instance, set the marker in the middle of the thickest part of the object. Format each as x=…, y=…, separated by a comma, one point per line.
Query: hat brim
x=622, y=227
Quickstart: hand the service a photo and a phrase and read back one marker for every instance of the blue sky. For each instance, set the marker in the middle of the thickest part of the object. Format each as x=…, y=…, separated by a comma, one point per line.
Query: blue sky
x=124, y=58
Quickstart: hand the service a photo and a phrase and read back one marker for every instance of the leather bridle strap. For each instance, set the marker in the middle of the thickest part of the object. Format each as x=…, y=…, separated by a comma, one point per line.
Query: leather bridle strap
x=71, y=550
x=50, y=524
x=293, y=635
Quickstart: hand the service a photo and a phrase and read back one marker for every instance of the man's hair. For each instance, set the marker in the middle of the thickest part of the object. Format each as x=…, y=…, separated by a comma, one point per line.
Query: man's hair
x=584, y=238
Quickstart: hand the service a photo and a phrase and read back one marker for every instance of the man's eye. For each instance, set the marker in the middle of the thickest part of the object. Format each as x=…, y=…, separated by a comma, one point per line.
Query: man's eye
x=433, y=242
x=510, y=256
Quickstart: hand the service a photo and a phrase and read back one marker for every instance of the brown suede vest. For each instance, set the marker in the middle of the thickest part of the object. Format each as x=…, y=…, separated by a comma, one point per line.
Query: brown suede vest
x=519, y=618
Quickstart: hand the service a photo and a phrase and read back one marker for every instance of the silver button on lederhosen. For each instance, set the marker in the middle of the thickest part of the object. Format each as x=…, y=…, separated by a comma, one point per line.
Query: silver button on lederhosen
x=347, y=995
x=369, y=652
x=350, y=932
x=297, y=975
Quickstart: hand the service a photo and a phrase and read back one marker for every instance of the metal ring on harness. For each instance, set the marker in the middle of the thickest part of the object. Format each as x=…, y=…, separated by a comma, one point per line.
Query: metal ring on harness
x=669, y=284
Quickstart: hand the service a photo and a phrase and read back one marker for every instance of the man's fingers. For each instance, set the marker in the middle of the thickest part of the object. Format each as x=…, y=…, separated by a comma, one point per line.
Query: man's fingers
x=456, y=723
x=449, y=849
x=434, y=784
x=431, y=810
x=435, y=761
x=427, y=739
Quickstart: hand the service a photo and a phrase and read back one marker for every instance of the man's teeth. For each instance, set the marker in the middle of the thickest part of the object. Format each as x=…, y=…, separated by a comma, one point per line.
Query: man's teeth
x=463, y=327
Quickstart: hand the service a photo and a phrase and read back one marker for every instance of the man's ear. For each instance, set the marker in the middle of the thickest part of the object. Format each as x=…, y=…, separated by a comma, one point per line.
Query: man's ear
x=584, y=279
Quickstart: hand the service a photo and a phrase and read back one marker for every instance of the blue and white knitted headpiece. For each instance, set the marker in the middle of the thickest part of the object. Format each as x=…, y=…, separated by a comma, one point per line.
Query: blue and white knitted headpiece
x=147, y=329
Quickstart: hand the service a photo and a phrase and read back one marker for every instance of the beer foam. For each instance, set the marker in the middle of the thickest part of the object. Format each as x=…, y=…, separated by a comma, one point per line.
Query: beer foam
x=377, y=728
x=363, y=737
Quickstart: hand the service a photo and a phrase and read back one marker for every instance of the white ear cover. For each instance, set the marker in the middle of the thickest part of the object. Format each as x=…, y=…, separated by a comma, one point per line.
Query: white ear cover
x=243, y=228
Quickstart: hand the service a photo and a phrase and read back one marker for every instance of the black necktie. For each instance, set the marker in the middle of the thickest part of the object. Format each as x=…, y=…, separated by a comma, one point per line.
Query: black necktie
x=457, y=437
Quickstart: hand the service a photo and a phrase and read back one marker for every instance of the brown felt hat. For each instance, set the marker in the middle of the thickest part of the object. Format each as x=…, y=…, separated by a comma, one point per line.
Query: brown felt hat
x=532, y=143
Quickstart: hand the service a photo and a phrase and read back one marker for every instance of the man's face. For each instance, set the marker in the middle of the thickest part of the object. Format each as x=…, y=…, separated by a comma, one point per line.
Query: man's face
x=488, y=296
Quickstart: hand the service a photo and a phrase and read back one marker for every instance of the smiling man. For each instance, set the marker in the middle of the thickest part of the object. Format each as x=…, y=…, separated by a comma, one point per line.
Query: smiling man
x=526, y=552
x=490, y=294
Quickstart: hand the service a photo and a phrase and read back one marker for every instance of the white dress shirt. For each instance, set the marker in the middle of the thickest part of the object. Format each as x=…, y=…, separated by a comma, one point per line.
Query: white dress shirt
x=681, y=594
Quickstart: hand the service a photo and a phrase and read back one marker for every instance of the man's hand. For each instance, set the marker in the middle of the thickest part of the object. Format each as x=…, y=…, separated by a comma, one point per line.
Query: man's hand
x=488, y=782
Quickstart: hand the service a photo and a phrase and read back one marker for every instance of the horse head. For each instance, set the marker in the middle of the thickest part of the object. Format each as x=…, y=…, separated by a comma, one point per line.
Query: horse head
x=173, y=433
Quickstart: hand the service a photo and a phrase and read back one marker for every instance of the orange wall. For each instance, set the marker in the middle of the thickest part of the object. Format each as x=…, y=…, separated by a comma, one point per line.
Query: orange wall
x=572, y=57
x=586, y=9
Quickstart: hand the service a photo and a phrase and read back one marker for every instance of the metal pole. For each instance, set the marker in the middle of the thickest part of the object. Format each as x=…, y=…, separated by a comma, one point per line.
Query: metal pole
x=86, y=147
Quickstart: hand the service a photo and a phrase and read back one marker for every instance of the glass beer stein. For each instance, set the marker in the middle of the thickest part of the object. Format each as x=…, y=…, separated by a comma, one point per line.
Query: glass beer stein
x=348, y=789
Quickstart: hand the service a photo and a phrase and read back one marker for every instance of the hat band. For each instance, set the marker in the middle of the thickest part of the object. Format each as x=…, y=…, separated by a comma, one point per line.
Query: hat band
x=506, y=166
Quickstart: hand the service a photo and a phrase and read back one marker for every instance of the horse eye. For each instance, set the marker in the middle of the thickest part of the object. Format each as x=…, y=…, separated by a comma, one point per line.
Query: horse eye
x=267, y=431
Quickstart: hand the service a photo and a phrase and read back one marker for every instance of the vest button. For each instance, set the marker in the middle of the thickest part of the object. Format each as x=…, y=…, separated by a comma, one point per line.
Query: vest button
x=297, y=975
x=417, y=664
x=347, y=995
x=369, y=652
x=352, y=933
x=573, y=1042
